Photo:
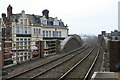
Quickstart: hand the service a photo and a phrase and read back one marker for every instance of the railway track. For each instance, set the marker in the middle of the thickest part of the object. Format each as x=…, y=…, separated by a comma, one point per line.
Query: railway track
x=57, y=71
x=29, y=73
x=91, y=67
x=81, y=70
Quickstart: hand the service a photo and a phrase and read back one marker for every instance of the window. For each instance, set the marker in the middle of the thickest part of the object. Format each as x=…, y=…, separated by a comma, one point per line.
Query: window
x=116, y=38
x=25, y=58
x=36, y=31
x=21, y=39
x=25, y=21
x=29, y=43
x=43, y=33
x=59, y=33
x=56, y=22
x=29, y=30
x=28, y=56
x=28, y=53
x=53, y=33
x=44, y=21
x=17, y=39
x=21, y=44
x=20, y=30
x=46, y=33
x=21, y=58
x=25, y=43
x=25, y=53
x=25, y=39
x=21, y=53
x=25, y=30
x=49, y=33
x=17, y=29
x=28, y=47
x=17, y=44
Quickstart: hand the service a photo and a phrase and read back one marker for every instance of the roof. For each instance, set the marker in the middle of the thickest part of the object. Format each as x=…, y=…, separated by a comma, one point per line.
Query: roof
x=35, y=19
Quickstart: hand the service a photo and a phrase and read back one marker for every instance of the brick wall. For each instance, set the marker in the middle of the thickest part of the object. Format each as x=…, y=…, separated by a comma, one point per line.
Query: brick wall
x=114, y=54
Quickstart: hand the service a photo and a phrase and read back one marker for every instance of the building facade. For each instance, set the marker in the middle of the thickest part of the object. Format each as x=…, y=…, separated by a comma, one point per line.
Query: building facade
x=22, y=31
x=115, y=35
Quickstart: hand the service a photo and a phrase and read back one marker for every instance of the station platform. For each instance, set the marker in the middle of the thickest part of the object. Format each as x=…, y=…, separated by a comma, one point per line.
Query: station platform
x=106, y=76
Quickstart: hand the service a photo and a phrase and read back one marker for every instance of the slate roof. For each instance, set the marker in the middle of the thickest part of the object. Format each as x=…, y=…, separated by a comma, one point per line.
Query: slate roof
x=35, y=19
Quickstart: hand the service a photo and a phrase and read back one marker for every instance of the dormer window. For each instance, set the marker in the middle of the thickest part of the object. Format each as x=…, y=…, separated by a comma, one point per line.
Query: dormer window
x=44, y=21
x=56, y=21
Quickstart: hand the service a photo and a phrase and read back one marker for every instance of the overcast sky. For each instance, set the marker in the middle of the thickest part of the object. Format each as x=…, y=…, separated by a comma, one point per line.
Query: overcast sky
x=82, y=16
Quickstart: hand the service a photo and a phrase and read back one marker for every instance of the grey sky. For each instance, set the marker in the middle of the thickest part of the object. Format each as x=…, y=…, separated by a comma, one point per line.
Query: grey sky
x=82, y=16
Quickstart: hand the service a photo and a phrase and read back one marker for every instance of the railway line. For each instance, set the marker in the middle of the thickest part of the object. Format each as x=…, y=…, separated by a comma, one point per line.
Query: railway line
x=26, y=74
x=77, y=64
x=83, y=68
x=64, y=67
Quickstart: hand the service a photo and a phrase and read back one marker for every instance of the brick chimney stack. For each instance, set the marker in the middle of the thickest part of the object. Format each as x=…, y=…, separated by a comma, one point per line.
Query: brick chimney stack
x=9, y=11
x=8, y=23
x=7, y=43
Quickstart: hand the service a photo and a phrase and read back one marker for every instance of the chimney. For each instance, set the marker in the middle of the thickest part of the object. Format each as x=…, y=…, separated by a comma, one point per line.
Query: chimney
x=9, y=11
x=4, y=16
x=104, y=33
x=45, y=13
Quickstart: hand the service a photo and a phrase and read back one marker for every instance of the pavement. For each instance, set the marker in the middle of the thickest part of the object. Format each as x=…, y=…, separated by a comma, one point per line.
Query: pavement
x=106, y=76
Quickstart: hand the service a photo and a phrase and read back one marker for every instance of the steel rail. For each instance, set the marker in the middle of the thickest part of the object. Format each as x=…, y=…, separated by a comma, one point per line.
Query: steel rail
x=66, y=73
x=92, y=65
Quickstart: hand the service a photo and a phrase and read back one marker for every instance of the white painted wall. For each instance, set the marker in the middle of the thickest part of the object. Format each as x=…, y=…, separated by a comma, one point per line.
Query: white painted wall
x=63, y=31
